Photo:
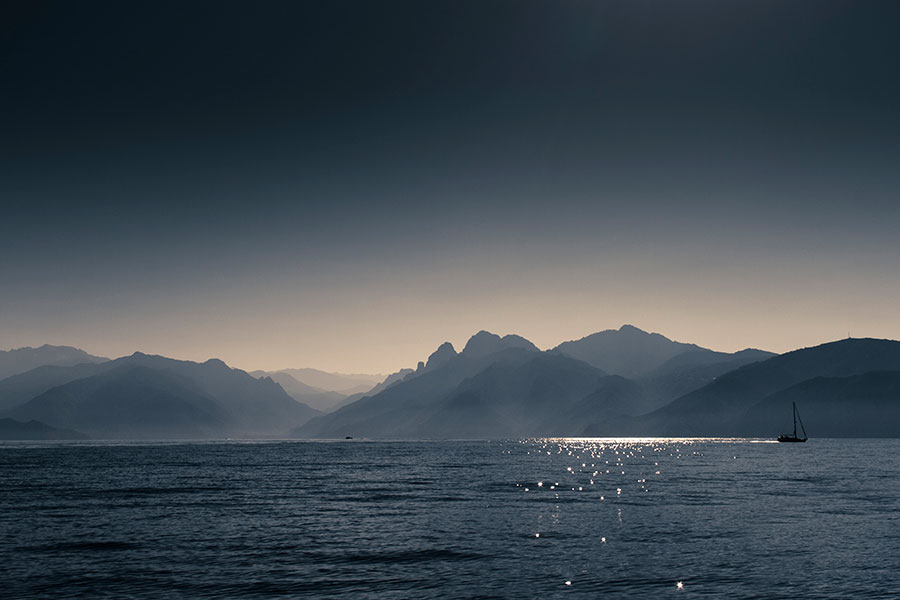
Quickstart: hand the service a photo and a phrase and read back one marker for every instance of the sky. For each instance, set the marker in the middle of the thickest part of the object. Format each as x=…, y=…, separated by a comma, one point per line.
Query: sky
x=345, y=185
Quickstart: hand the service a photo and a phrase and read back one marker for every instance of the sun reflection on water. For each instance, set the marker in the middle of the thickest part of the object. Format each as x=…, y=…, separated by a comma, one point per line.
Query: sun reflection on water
x=632, y=476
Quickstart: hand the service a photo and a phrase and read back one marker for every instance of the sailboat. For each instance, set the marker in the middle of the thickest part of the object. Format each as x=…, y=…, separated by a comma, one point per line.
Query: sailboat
x=786, y=437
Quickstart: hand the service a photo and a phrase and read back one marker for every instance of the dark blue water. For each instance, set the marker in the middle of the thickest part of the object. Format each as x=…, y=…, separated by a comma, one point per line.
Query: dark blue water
x=544, y=518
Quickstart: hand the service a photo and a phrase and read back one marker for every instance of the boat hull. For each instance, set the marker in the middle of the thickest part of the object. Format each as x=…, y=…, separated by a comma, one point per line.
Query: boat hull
x=790, y=439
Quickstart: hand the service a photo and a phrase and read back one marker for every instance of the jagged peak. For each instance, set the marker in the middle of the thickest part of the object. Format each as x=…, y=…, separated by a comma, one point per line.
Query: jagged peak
x=481, y=335
x=43, y=347
x=444, y=352
x=485, y=342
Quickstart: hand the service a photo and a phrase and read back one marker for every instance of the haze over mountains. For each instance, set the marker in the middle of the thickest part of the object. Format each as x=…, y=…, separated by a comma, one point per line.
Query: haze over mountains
x=20, y=360
x=847, y=388
x=581, y=388
x=505, y=386
x=322, y=390
x=342, y=383
x=317, y=398
x=611, y=383
x=143, y=396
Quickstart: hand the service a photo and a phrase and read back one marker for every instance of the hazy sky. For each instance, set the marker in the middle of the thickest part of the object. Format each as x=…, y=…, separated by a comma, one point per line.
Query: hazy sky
x=345, y=185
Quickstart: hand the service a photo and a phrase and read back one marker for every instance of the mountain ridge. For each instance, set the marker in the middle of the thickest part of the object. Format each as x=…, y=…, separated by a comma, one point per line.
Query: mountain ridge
x=496, y=386
x=712, y=409
x=20, y=360
x=627, y=351
x=244, y=405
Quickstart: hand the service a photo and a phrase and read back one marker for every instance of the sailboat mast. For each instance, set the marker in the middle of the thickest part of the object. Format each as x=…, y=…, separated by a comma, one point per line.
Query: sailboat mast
x=794, y=407
x=802, y=428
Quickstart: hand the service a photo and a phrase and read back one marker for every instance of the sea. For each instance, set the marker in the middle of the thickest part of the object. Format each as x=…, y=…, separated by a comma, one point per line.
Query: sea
x=530, y=518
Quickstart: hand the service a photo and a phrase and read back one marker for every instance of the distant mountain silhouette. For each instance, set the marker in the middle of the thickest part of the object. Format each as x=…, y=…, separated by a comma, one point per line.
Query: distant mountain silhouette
x=317, y=398
x=546, y=395
x=344, y=383
x=390, y=380
x=692, y=370
x=153, y=396
x=866, y=405
x=628, y=351
x=719, y=407
x=484, y=343
x=396, y=408
x=285, y=381
x=499, y=389
x=10, y=429
x=496, y=387
x=445, y=353
x=21, y=388
x=130, y=402
x=20, y=360
x=481, y=344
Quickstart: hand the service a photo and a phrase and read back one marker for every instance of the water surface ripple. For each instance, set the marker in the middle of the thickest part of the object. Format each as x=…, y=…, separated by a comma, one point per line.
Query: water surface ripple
x=523, y=518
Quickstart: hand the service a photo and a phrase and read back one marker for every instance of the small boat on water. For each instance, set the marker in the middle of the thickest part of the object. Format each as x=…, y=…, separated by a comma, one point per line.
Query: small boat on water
x=786, y=437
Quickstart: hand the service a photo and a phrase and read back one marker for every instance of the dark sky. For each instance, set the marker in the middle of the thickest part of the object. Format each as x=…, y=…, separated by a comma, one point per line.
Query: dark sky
x=345, y=185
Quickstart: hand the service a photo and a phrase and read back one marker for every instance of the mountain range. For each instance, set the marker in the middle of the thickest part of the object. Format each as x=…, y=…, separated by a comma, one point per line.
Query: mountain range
x=653, y=386
x=144, y=396
x=611, y=383
x=846, y=388
x=342, y=383
x=13, y=362
x=317, y=398
x=506, y=387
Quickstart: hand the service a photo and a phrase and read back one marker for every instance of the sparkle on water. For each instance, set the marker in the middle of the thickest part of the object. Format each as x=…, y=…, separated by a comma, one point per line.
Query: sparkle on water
x=451, y=519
